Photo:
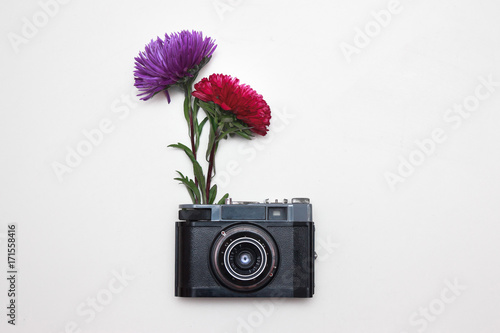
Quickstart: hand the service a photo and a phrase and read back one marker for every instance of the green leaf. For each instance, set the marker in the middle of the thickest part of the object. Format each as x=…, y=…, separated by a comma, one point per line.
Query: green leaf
x=186, y=149
x=245, y=134
x=199, y=130
x=208, y=107
x=223, y=199
x=236, y=130
x=198, y=173
x=197, y=169
x=201, y=125
x=191, y=187
x=187, y=101
x=212, y=194
x=196, y=106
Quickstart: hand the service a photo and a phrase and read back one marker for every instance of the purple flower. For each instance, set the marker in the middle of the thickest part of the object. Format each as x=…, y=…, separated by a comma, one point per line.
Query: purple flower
x=173, y=61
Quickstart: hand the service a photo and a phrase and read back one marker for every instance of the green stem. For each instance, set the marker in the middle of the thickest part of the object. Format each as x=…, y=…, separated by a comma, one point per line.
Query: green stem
x=191, y=117
x=211, y=166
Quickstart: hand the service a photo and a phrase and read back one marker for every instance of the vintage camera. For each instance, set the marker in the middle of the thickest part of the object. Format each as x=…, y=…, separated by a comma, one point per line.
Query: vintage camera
x=245, y=249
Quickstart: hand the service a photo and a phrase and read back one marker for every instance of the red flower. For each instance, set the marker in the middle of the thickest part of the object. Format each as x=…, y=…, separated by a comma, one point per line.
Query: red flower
x=240, y=99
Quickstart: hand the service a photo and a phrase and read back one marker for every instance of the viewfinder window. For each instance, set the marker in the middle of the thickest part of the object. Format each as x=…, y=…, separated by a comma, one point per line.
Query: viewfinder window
x=277, y=213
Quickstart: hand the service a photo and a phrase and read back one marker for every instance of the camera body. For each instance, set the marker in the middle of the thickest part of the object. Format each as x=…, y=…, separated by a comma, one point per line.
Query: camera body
x=245, y=249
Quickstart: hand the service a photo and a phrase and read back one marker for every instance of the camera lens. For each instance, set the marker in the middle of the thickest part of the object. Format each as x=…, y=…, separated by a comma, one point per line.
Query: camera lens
x=244, y=257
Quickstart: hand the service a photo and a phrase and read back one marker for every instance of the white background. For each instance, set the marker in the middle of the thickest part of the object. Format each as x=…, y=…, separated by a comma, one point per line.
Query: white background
x=340, y=125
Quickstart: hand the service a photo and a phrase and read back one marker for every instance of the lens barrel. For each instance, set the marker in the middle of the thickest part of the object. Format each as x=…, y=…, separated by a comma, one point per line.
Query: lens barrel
x=244, y=257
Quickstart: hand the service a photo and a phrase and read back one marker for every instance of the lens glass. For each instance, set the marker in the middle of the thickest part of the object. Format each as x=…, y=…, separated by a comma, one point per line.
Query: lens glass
x=245, y=259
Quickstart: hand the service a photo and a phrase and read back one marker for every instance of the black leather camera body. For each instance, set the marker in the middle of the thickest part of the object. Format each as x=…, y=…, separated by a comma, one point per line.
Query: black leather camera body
x=245, y=249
